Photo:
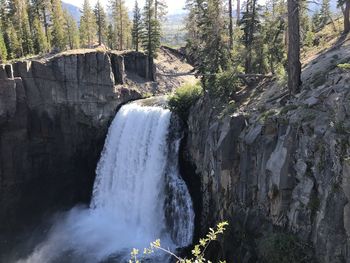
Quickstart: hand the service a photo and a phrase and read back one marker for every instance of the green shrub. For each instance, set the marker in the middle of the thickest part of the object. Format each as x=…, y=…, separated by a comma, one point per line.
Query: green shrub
x=183, y=98
x=283, y=248
x=224, y=85
x=344, y=66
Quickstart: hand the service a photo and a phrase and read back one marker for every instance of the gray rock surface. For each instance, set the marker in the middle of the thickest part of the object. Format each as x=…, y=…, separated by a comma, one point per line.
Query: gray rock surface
x=272, y=165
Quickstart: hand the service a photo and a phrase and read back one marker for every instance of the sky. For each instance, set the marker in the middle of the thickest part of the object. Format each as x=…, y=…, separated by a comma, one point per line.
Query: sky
x=174, y=6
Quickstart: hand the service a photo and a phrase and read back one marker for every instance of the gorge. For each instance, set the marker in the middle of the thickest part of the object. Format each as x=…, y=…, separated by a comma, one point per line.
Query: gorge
x=267, y=164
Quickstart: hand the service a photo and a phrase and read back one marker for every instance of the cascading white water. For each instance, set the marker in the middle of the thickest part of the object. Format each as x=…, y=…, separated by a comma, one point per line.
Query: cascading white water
x=138, y=194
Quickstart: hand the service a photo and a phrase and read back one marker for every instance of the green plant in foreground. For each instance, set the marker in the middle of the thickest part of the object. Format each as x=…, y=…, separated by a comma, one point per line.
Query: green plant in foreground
x=198, y=252
x=344, y=66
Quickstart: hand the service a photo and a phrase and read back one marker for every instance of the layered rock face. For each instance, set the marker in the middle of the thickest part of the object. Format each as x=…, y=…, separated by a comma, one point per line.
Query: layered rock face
x=54, y=117
x=273, y=163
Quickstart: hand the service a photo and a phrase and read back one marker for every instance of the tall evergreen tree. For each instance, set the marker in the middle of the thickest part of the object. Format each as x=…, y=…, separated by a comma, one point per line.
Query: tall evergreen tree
x=137, y=27
x=150, y=37
x=43, y=9
x=58, y=35
x=325, y=13
x=71, y=29
x=210, y=38
x=250, y=25
x=3, y=49
x=13, y=44
x=121, y=23
x=305, y=22
x=273, y=28
x=160, y=9
x=87, y=26
x=101, y=23
x=40, y=40
x=18, y=16
x=111, y=37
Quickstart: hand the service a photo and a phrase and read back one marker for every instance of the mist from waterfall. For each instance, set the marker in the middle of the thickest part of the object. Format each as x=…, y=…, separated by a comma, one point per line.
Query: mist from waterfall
x=138, y=195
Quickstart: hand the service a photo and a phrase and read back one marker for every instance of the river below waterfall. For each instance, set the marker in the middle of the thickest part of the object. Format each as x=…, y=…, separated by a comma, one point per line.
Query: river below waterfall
x=138, y=196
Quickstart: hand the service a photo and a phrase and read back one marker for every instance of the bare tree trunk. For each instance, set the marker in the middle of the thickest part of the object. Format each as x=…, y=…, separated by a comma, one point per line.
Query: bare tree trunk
x=346, y=17
x=231, y=23
x=294, y=65
x=238, y=11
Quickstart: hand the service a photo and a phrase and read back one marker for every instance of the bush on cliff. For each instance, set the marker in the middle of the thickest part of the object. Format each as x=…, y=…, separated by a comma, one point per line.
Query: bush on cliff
x=224, y=85
x=284, y=248
x=183, y=98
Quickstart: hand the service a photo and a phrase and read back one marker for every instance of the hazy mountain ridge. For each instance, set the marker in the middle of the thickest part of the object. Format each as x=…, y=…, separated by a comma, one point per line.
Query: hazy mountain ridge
x=73, y=10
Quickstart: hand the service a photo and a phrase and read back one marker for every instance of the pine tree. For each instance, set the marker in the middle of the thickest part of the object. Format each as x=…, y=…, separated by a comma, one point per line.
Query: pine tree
x=87, y=26
x=208, y=38
x=324, y=13
x=151, y=30
x=13, y=44
x=71, y=29
x=137, y=27
x=3, y=50
x=250, y=25
x=273, y=28
x=150, y=37
x=160, y=10
x=43, y=10
x=101, y=23
x=40, y=40
x=18, y=16
x=193, y=30
x=111, y=37
x=58, y=36
x=305, y=22
x=121, y=23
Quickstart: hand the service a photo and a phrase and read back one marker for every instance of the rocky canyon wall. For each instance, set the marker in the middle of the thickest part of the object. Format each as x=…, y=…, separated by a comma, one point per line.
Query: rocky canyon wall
x=270, y=163
x=54, y=116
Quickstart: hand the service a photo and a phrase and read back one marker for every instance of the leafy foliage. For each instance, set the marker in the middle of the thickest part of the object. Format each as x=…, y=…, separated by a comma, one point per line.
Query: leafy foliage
x=198, y=252
x=225, y=85
x=344, y=66
x=184, y=98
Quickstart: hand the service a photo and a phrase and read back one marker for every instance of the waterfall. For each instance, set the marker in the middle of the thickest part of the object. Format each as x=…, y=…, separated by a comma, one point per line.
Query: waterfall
x=138, y=194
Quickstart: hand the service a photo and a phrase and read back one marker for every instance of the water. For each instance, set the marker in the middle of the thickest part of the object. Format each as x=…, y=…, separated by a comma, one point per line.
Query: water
x=138, y=196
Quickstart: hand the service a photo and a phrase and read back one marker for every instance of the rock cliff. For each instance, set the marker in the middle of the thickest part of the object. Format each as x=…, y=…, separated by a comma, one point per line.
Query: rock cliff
x=54, y=115
x=270, y=163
